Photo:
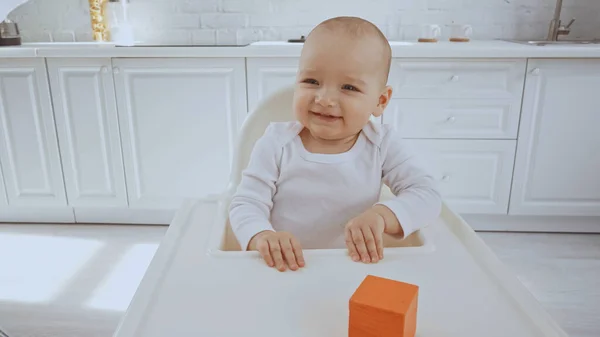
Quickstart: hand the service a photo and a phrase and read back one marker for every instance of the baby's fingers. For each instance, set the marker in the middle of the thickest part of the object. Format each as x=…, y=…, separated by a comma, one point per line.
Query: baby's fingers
x=275, y=250
x=351, y=247
x=263, y=249
x=297, y=251
x=379, y=243
x=288, y=254
x=359, y=242
x=371, y=245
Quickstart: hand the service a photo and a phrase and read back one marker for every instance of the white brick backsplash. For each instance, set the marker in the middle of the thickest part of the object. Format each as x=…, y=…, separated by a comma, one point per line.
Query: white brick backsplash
x=84, y=36
x=204, y=37
x=224, y=20
x=249, y=35
x=226, y=36
x=273, y=20
x=245, y=6
x=64, y=36
x=445, y=4
x=197, y=6
x=245, y=21
x=182, y=21
x=36, y=36
x=293, y=32
x=174, y=36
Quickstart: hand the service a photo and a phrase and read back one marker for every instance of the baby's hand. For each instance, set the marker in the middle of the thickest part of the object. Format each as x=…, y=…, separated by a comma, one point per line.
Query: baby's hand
x=279, y=249
x=364, y=237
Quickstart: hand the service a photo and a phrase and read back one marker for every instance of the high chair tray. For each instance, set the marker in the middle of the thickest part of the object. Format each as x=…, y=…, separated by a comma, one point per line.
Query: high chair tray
x=198, y=285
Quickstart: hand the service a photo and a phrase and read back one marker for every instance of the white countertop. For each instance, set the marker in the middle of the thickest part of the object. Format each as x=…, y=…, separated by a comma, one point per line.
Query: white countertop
x=400, y=49
x=192, y=288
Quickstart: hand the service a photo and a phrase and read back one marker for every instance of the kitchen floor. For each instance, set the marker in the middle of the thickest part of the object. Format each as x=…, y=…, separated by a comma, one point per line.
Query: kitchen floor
x=77, y=280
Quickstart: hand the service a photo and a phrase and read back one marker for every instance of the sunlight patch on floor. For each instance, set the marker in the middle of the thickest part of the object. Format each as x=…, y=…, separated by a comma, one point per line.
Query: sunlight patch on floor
x=35, y=268
x=116, y=292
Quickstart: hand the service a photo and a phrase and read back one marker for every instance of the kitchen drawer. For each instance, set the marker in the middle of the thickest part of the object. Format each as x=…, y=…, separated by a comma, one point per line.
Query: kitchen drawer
x=474, y=176
x=452, y=118
x=458, y=78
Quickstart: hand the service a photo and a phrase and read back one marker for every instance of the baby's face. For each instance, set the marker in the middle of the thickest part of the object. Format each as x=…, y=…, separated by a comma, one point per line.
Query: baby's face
x=340, y=84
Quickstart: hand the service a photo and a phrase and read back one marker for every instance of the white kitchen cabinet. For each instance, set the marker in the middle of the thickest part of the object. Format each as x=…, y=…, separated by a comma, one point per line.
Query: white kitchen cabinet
x=474, y=176
x=29, y=155
x=558, y=154
x=458, y=78
x=454, y=118
x=267, y=75
x=179, y=120
x=88, y=129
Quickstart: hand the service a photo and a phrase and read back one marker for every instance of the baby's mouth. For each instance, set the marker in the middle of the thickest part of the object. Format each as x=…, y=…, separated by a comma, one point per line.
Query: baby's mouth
x=326, y=116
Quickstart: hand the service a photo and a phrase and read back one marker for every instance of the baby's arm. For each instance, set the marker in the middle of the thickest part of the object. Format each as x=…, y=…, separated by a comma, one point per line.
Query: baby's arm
x=250, y=208
x=417, y=200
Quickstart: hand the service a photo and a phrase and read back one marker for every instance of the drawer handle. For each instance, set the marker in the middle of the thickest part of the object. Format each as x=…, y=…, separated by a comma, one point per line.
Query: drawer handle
x=451, y=120
x=445, y=178
x=454, y=78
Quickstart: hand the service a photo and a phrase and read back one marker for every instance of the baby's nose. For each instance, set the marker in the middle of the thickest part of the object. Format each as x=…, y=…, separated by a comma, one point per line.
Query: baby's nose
x=326, y=98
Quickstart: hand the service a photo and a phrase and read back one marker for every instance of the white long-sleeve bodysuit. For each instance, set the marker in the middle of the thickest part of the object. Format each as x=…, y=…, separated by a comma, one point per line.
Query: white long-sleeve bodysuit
x=313, y=196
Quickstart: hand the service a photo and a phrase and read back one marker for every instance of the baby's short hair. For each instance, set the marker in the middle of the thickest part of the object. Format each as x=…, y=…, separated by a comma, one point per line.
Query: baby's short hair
x=358, y=27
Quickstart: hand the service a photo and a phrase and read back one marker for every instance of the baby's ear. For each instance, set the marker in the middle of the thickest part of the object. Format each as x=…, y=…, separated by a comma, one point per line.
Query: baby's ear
x=384, y=99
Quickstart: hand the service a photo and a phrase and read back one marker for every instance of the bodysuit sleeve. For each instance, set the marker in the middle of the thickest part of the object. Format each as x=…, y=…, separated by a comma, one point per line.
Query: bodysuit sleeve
x=250, y=208
x=417, y=202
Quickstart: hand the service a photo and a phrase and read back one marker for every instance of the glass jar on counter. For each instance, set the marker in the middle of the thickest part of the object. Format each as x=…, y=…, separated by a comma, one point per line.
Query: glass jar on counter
x=119, y=25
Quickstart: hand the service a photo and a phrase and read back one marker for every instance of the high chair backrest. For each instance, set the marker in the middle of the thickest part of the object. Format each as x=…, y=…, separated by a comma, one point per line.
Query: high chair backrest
x=277, y=107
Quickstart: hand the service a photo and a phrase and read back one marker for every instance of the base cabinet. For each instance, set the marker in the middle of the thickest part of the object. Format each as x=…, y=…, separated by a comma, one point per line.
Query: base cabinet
x=178, y=120
x=473, y=176
x=88, y=129
x=558, y=156
x=267, y=75
x=32, y=181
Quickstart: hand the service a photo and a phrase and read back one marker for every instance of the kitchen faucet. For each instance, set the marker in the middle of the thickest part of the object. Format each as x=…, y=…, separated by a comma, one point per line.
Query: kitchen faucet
x=555, y=29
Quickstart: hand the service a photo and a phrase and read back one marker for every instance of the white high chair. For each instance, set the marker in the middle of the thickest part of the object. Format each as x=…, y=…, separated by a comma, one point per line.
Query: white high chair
x=201, y=284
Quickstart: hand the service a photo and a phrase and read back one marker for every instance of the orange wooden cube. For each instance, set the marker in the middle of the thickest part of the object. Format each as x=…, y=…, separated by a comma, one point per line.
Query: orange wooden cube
x=384, y=308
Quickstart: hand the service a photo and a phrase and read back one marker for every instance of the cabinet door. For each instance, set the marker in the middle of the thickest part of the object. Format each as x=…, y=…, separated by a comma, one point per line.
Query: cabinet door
x=267, y=75
x=29, y=153
x=88, y=130
x=179, y=120
x=558, y=154
x=473, y=176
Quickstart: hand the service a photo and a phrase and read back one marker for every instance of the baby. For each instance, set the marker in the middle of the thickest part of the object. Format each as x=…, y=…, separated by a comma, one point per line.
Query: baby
x=315, y=182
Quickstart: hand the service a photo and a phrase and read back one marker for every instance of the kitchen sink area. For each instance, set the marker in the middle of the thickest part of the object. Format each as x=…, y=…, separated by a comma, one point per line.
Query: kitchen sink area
x=556, y=43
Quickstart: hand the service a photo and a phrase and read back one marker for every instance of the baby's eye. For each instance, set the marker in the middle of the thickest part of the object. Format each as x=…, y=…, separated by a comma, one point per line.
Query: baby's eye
x=310, y=81
x=350, y=87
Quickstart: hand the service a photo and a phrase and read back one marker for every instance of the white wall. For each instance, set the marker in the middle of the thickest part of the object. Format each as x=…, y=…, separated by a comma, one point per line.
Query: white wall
x=243, y=21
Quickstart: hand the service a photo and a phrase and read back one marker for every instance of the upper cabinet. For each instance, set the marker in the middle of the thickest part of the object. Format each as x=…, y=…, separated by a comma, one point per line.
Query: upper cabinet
x=558, y=152
x=267, y=75
x=179, y=120
x=88, y=129
x=29, y=155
